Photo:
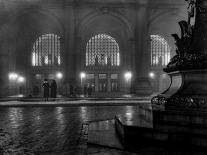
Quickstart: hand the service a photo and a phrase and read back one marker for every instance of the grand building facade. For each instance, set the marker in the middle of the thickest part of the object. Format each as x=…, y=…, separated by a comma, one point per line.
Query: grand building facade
x=115, y=46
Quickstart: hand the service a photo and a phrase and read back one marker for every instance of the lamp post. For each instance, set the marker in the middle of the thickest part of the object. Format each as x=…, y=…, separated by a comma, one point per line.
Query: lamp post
x=82, y=76
x=16, y=81
x=128, y=77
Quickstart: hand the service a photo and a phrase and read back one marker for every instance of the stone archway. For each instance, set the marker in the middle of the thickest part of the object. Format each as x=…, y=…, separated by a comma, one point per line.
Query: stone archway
x=29, y=25
x=115, y=27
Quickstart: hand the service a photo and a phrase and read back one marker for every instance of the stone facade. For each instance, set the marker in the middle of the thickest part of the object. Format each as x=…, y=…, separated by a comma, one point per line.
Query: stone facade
x=130, y=22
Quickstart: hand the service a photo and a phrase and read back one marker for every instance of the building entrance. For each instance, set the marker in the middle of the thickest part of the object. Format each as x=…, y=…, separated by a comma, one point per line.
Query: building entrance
x=103, y=82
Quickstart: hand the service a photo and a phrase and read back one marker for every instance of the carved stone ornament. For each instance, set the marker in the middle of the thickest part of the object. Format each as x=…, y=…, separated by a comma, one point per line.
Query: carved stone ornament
x=191, y=52
x=181, y=102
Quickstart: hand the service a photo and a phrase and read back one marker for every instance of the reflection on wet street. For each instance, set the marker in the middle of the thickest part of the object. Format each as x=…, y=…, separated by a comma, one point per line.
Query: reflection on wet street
x=50, y=129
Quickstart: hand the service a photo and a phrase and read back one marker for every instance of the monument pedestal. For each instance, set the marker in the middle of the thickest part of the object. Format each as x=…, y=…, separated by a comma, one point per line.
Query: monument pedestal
x=179, y=114
x=188, y=89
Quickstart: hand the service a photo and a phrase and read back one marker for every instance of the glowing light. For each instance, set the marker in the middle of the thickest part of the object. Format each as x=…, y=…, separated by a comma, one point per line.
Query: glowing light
x=59, y=60
x=160, y=50
x=59, y=75
x=128, y=76
x=152, y=75
x=82, y=75
x=102, y=49
x=13, y=76
x=46, y=60
x=118, y=59
x=20, y=79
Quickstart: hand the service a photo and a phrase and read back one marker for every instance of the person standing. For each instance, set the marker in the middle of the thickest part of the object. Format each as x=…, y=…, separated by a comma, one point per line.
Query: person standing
x=71, y=90
x=90, y=90
x=46, y=87
x=85, y=90
x=53, y=87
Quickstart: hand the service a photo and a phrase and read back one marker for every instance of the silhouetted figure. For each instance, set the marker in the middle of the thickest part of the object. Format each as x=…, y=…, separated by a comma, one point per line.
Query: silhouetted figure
x=160, y=61
x=46, y=87
x=96, y=61
x=53, y=87
x=85, y=90
x=109, y=61
x=89, y=90
x=71, y=90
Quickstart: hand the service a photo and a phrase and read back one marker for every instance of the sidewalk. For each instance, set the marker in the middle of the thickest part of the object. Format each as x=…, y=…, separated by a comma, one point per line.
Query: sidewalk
x=23, y=102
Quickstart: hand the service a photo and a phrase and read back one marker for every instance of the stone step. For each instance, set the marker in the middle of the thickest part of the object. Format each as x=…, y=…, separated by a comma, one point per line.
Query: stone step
x=163, y=130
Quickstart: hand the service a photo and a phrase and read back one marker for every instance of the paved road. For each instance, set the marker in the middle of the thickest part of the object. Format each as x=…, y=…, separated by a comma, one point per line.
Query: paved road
x=52, y=130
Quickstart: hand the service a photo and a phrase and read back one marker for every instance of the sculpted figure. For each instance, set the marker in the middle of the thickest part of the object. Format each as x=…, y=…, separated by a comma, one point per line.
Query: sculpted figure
x=184, y=42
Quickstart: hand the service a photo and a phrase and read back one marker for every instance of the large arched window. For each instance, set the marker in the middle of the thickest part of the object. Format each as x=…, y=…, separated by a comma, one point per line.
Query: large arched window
x=102, y=50
x=46, y=51
x=160, y=51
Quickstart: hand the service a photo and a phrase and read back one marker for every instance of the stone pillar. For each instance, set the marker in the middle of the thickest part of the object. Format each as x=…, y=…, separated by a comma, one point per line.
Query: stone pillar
x=142, y=57
x=70, y=48
x=96, y=82
x=108, y=82
x=4, y=75
x=7, y=59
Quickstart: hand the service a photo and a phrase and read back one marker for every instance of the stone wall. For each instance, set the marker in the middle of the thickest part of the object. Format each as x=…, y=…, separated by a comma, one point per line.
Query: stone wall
x=129, y=21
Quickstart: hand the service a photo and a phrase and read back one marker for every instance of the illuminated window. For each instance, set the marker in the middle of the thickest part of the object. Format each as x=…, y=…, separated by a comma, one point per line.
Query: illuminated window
x=46, y=51
x=160, y=51
x=102, y=50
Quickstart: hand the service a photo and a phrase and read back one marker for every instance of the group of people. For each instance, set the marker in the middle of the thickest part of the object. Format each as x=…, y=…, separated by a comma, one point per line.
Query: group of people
x=47, y=92
x=50, y=90
x=87, y=90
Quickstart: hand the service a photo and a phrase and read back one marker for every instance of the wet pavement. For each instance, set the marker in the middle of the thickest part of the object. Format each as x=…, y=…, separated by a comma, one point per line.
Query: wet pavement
x=54, y=130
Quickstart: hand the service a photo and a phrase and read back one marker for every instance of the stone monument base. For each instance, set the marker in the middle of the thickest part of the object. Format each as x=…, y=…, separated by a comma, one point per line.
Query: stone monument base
x=188, y=90
x=180, y=130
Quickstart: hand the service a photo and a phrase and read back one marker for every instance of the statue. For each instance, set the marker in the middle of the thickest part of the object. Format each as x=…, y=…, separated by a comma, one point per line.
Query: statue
x=188, y=69
x=191, y=10
x=183, y=43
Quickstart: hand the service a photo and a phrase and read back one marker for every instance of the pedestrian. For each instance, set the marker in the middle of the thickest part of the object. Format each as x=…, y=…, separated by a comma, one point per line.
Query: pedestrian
x=89, y=90
x=71, y=90
x=46, y=87
x=53, y=87
x=85, y=90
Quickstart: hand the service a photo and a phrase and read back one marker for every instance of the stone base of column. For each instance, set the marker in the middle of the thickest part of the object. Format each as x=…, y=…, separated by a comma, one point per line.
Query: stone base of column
x=142, y=86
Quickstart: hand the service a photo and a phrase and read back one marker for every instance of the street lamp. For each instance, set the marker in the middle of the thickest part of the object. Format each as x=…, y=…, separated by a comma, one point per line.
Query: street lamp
x=13, y=76
x=128, y=76
x=20, y=79
x=152, y=75
x=59, y=75
x=82, y=76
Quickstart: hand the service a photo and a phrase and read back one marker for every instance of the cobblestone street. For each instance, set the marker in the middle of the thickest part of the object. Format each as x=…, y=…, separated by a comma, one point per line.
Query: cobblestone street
x=53, y=130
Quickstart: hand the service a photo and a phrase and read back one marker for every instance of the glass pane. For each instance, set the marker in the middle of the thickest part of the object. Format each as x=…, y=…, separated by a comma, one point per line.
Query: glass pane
x=114, y=76
x=102, y=50
x=102, y=76
x=160, y=51
x=90, y=76
x=46, y=51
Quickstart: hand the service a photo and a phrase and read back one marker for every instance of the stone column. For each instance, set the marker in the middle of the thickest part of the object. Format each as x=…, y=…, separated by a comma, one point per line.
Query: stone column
x=4, y=75
x=142, y=57
x=96, y=82
x=7, y=59
x=70, y=48
x=108, y=82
